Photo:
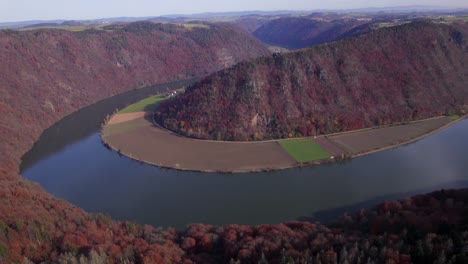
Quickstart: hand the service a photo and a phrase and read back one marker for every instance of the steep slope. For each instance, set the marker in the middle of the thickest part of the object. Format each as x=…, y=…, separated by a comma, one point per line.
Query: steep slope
x=391, y=75
x=251, y=23
x=421, y=229
x=47, y=74
x=36, y=226
x=301, y=32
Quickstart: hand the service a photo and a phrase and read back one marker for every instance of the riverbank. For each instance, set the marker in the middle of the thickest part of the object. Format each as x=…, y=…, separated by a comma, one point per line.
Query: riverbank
x=134, y=135
x=141, y=140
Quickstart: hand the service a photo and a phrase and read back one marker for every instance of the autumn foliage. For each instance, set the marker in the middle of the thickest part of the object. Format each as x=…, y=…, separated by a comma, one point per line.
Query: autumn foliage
x=421, y=229
x=47, y=74
x=391, y=75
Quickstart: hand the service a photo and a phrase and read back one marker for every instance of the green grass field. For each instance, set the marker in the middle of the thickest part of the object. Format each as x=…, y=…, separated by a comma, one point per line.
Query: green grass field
x=147, y=104
x=454, y=117
x=304, y=150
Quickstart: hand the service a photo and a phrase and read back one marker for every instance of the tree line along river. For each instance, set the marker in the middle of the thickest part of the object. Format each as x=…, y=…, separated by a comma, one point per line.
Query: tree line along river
x=71, y=162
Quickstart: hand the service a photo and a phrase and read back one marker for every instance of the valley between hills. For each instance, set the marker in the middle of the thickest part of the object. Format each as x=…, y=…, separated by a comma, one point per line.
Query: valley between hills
x=380, y=70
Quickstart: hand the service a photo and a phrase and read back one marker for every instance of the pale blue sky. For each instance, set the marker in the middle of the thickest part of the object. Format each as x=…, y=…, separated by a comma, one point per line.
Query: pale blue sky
x=19, y=10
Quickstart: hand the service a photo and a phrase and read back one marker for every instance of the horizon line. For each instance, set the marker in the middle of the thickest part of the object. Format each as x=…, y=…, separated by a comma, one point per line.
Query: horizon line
x=182, y=15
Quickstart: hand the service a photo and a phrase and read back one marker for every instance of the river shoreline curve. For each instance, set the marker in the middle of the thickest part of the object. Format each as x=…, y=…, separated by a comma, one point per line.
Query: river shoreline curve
x=137, y=137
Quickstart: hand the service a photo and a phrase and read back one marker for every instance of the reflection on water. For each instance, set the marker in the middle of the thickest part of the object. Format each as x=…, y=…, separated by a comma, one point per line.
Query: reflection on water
x=87, y=121
x=98, y=180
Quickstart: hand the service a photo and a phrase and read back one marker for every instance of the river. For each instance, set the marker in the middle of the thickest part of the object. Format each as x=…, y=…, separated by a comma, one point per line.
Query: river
x=70, y=162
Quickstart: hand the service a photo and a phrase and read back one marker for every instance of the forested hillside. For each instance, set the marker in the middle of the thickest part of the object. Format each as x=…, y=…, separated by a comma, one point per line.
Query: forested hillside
x=301, y=32
x=391, y=75
x=428, y=228
x=46, y=74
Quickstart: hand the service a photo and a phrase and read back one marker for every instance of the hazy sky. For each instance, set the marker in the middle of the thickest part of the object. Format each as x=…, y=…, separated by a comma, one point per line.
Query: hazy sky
x=19, y=10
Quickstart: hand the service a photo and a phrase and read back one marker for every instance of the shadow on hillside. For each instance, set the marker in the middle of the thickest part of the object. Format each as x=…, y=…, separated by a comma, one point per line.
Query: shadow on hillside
x=88, y=120
x=331, y=215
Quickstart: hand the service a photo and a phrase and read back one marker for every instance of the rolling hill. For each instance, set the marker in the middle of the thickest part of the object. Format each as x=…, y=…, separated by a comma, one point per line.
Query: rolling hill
x=390, y=75
x=46, y=74
x=49, y=73
x=301, y=32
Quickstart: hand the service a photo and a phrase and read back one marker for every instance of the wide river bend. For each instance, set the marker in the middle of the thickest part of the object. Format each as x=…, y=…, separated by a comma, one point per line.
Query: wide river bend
x=70, y=162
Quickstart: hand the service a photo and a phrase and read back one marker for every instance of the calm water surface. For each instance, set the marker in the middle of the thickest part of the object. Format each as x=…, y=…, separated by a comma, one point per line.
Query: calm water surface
x=79, y=169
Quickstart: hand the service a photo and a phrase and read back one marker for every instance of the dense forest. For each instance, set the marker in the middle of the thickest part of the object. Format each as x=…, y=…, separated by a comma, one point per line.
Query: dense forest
x=422, y=229
x=47, y=74
x=429, y=228
x=390, y=75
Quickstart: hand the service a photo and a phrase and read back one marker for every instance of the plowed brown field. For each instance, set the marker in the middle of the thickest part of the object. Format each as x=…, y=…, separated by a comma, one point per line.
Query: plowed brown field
x=136, y=136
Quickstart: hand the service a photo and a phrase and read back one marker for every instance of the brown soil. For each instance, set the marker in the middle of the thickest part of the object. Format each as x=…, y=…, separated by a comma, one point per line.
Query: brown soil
x=329, y=146
x=141, y=140
x=136, y=136
x=381, y=138
x=120, y=118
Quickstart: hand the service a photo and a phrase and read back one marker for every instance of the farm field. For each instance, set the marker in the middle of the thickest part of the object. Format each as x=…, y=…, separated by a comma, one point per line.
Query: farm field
x=228, y=170
x=363, y=141
x=135, y=135
x=147, y=105
x=304, y=150
x=132, y=132
x=140, y=139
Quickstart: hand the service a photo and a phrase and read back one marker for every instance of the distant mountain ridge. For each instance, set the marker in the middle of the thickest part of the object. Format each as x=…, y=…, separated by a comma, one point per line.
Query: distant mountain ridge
x=169, y=17
x=405, y=9
x=396, y=74
x=209, y=15
x=301, y=32
x=49, y=73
